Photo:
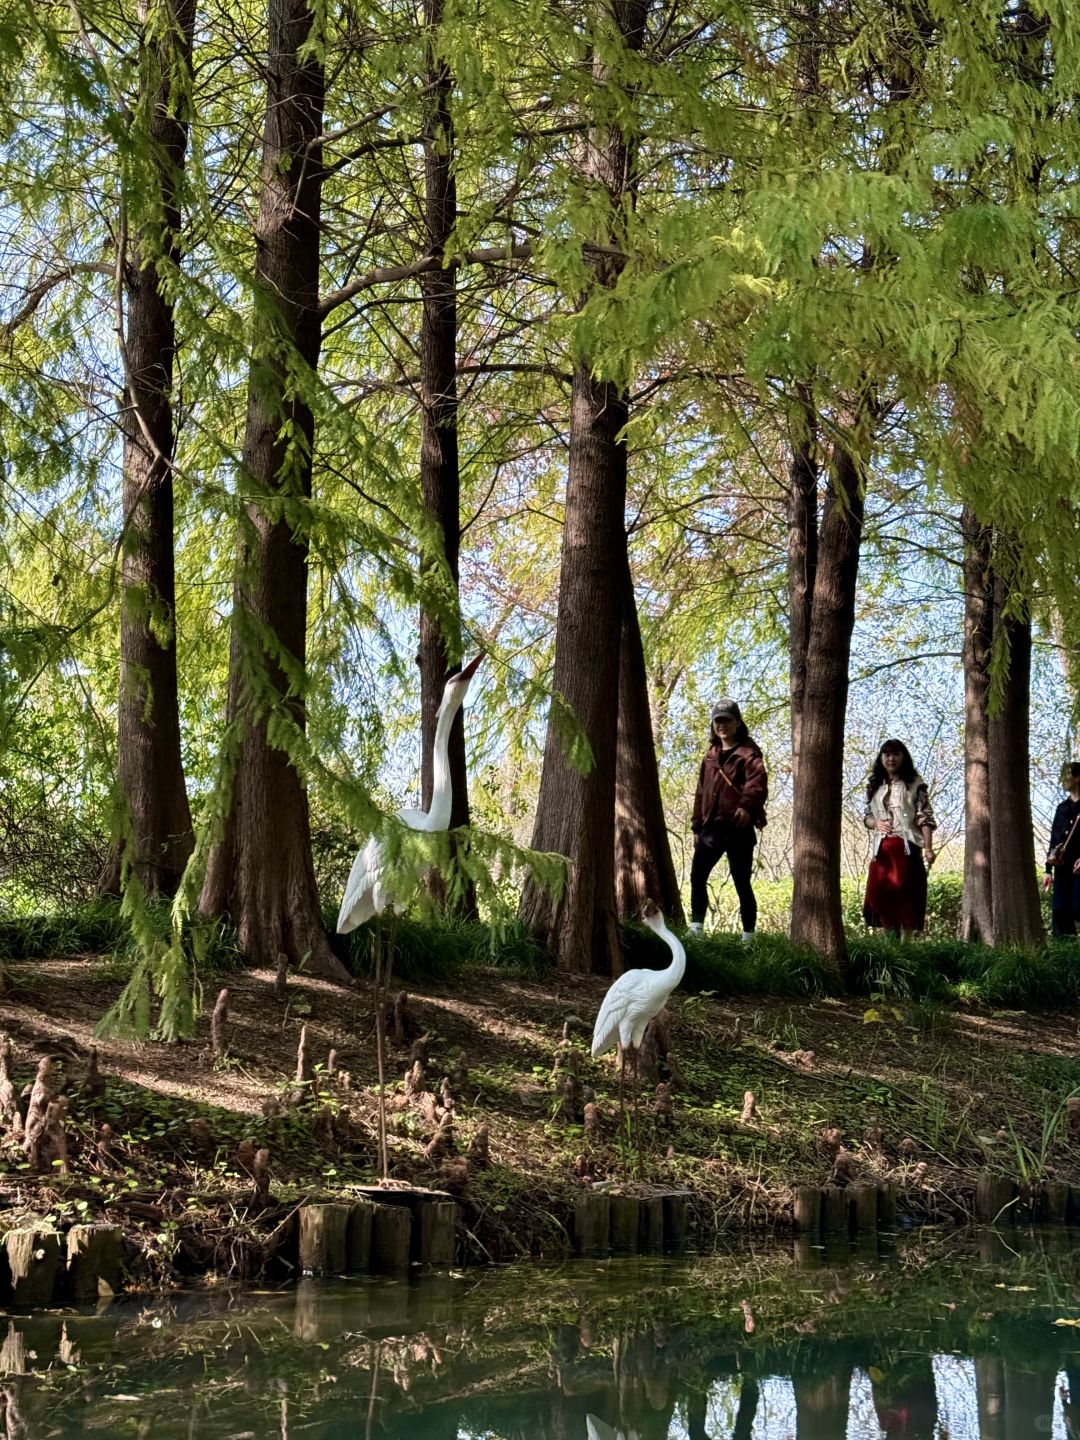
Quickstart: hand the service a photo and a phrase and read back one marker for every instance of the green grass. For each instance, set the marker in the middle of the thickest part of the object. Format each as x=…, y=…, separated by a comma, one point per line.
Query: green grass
x=936, y=972
x=101, y=930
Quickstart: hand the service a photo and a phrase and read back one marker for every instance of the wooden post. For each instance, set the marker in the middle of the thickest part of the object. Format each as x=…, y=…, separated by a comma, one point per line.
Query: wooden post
x=651, y=1232
x=358, y=1238
x=807, y=1209
x=1055, y=1204
x=996, y=1199
x=13, y=1353
x=391, y=1239
x=435, y=1233
x=34, y=1262
x=834, y=1210
x=863, y=1208
x=886, y=1205
x=322, y=1239
x=625, y=1219
x=93, y=1262
x=807, y=1252
x=592, y=1223
x=675, y=1221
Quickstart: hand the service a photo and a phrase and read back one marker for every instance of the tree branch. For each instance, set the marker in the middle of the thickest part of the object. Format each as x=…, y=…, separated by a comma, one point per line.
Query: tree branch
x=37, y=293
x=390, y=274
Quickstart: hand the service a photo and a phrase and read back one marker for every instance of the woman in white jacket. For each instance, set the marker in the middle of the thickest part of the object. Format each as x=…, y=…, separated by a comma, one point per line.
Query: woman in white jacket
x=899, y=815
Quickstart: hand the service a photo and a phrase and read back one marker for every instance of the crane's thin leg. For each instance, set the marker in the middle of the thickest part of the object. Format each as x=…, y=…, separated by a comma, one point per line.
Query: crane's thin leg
x=377, y=987
x=637, y=1126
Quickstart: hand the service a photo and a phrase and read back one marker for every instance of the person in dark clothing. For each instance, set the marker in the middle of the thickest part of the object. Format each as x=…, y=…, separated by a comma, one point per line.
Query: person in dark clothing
x=729, y=809
x=1063, y=857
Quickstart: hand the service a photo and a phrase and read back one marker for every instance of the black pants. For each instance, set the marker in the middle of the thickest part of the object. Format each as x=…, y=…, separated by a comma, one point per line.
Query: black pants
x=737, y=843
x=1065, y=904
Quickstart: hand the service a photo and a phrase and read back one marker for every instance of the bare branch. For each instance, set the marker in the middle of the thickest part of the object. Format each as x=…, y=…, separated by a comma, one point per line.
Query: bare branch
x=390, y=274
x=37, y=293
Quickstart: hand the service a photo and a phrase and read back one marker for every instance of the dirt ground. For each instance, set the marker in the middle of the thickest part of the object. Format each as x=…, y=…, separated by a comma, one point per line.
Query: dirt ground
x=923, y=1096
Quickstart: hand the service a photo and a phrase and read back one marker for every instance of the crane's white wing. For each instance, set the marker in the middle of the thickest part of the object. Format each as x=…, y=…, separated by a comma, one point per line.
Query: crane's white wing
x=633, y=1000
x=364, y=890
x=597, y=1429
x=621, y=1008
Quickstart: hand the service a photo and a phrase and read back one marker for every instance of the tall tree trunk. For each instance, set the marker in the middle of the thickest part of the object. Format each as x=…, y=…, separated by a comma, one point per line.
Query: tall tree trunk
x=978, y=922
x=990, y=1397
x=264, y=866
x=150, y=768
x=644, y=869
x=1017, y=913
x=822, y=1402
x=816, y=915
x=439, y=476
x=749, y=1395
x=802, y=553
x=575, y=813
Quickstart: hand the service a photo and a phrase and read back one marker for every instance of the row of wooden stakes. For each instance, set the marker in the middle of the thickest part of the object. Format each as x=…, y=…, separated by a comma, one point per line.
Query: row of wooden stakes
x=40, y=1266
x=383, y=1237
x=607, y=1220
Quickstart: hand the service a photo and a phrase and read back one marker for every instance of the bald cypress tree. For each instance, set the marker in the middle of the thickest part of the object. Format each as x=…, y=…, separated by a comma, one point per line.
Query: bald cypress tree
x=157, y=832
x=261, y=870
x=575, y=813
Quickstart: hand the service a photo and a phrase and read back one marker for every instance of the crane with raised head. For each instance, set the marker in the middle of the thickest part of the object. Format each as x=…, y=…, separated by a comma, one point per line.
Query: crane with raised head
x=378, y=881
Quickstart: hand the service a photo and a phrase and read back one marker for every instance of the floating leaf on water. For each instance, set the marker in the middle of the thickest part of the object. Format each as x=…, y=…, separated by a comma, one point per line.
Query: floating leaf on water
x=1074, y=1323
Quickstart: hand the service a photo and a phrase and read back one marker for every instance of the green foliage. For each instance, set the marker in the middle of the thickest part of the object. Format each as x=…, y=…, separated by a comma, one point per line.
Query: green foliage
x=441, y=951
x=944, y=904
x=862, y=233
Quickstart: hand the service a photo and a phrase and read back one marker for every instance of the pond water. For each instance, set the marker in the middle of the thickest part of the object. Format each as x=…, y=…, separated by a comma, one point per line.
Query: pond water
x=933, y=1336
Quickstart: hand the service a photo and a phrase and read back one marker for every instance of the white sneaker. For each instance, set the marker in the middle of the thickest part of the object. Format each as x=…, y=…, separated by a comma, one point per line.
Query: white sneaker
x=747, y=936
x=697, y=927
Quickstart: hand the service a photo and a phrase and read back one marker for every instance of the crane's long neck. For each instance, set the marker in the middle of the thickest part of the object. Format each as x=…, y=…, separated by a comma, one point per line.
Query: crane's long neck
x=677, y=969
x=442, y=798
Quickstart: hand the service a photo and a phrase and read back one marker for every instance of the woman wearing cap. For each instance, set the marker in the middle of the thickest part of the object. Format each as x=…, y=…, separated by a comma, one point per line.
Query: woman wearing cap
x=729, y=809
x=1063, y=859
x=899, y=815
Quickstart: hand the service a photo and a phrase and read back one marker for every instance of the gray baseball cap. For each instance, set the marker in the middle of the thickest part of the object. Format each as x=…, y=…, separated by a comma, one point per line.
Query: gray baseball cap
x=726, y=709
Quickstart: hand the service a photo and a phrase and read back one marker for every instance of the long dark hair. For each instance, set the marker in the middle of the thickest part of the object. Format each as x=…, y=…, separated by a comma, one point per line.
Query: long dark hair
x=907, y=771
x=741, y=734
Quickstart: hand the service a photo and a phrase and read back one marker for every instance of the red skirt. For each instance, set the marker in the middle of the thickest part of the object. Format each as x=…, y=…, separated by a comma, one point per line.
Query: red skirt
x=896, y=887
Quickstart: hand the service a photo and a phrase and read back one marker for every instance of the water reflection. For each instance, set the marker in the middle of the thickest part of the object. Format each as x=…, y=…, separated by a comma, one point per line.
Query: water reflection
x=933, y=1341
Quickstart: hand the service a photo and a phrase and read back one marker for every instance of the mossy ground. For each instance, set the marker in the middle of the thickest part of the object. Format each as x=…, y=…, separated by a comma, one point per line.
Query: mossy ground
x=970, y=1085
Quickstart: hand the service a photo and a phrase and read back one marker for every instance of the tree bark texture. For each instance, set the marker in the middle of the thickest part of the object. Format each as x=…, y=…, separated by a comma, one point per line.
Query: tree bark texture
x=644, y=869
x=802, y=551
x=978, y=918
x=575, y=812
x=816, y=915
x=149, y=764
x=263, y=868
x=1017, y=913
x=439, y=472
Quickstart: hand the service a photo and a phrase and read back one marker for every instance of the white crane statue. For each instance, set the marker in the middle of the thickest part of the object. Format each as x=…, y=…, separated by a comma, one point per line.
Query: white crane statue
x=375, y=882
x=635, y=998
x=372, y=883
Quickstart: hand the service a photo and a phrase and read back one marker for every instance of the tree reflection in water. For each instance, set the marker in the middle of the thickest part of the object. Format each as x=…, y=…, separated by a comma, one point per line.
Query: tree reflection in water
x=933, y=1341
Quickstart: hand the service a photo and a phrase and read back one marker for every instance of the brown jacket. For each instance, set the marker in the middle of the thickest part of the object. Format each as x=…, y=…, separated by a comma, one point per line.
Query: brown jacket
x=716, y=799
